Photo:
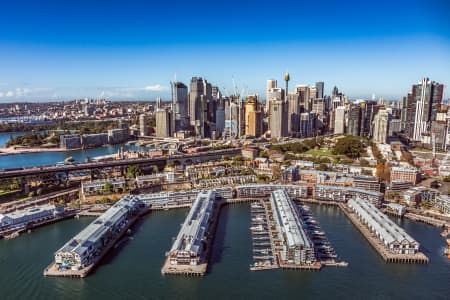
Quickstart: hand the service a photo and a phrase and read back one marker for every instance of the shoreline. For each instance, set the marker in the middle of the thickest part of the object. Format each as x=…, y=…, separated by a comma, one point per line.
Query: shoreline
x=12, y=151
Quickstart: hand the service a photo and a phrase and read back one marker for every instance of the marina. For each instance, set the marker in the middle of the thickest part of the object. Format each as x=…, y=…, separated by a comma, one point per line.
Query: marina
x=284, y=232
x=263, y=253
x=229, y=263
x=286, y=235
x=324, y=251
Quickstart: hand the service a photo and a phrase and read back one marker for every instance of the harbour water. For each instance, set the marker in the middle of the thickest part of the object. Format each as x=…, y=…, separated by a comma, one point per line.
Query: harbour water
x=51, y=158
x=132, y=270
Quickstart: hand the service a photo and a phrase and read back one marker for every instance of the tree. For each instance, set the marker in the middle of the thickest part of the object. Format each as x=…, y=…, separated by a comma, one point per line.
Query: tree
x=264, y=154
x=351, y=146
x=107, y=187
x=322, y=167
x=383, y=172
x=133, y=171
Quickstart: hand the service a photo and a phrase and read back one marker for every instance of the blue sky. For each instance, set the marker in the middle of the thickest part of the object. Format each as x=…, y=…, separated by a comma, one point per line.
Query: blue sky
x=53, y=50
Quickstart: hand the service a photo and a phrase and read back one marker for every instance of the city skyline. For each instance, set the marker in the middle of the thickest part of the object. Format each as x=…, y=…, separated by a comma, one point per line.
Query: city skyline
x=59, y=52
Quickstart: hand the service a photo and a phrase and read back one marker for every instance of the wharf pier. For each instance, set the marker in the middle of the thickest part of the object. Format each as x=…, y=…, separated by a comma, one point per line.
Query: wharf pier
x=316, y=266
x=201, y=268
x=418, y=258
x=11, y=234
x=319, y=202
x=168, y=207
x=426, y=220
x=53, y=269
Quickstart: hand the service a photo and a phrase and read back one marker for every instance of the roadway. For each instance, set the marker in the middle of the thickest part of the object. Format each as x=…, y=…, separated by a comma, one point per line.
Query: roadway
x=11, y=173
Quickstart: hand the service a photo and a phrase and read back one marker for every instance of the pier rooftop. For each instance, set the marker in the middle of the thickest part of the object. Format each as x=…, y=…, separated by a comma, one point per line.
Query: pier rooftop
x=296, y=248
x=81, y=253
x=389, y=239
x=190, y=250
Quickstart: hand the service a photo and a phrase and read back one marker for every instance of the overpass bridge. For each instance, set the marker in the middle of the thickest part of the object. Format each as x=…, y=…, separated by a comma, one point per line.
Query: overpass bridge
x=160, y=161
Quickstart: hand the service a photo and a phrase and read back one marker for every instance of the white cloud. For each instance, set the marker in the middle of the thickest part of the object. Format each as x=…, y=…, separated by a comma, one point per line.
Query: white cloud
x=1, y=94
x=155, y=88
x=22, y=92
x=10, y=94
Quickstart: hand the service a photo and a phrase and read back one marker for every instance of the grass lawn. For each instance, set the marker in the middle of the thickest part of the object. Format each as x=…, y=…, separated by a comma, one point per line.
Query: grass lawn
x=321, y=152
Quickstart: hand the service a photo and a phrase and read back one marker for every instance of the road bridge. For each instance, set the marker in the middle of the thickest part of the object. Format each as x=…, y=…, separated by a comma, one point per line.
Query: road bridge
x=160, y=161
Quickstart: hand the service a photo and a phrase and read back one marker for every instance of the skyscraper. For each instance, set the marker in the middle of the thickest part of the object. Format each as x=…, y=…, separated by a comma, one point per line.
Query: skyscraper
x=425, y=100
x=303, y=93
x=253, y=117
x=354, y=119
x=278, y=120
x=307, y=124
x=180, y=105
x=319, y=88
x=143, y=126
x=164, y=123
x=313, y=92
x=274, y=94
x=200, y=95
x=220, y=116
x=381, y=126
x=339, y=120
x=231, y=119
x=318, y=107
x=271, y=84
x=293, y=114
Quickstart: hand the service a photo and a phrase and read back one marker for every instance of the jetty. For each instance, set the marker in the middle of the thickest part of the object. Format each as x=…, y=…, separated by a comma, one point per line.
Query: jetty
x=378, y=245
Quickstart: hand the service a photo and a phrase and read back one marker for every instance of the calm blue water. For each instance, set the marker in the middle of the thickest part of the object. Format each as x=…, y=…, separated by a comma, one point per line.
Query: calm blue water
x=51, y=158
x=132, y=271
